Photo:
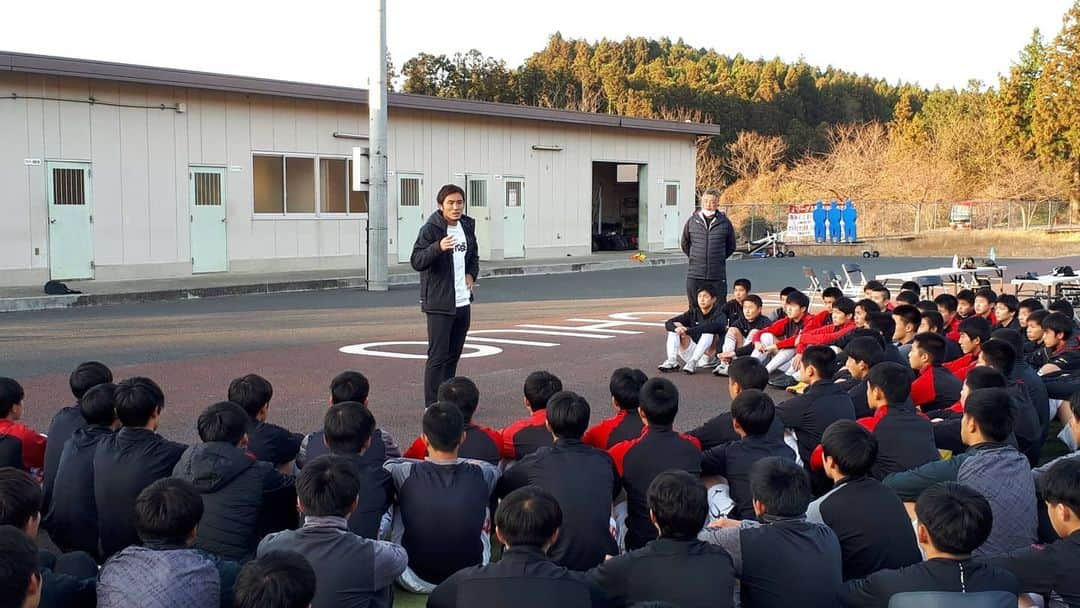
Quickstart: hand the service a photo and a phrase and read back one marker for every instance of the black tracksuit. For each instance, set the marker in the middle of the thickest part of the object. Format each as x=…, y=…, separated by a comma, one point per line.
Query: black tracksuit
x=734, y=460
x=272, y=443
x=376, y=495
x=947, y=575
x=63, y=426
x=905, y=440
x=72, y=518
x=698, y=323
x=1053, y=568
x=718, y=430
x=584, y=481
x=810, y=413
x=684, y=573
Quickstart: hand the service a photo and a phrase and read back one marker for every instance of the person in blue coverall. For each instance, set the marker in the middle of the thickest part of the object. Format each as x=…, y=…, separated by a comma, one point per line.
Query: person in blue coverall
x=819, y=222
x=851, y=216
x=834, y=221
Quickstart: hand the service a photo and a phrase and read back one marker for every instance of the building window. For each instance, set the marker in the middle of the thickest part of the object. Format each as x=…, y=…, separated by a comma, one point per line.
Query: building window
x=299, y=185
x=305, y=185
x=269, y=178
x=333, y=185
x=358, y=199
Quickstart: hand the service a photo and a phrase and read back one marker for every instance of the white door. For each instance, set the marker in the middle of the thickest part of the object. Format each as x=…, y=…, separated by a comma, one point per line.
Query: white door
x=410, y=213
x=514, y=218
x=208, y=251
x=476, y=207
x=71, y=248
x=672, y=229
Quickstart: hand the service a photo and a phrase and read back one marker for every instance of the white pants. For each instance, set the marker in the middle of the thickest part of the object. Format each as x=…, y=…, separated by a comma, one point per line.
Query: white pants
x=693, y=350
x=780, y=361
x=731, y=343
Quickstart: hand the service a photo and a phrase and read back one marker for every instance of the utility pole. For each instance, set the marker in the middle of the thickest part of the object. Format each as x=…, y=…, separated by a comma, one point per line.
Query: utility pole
x=378, y=269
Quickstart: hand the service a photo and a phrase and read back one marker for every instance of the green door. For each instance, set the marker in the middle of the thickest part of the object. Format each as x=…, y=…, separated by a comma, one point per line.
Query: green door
x=672, y=229
x=476, y=206
x=71, y=247
x=514, y=218
x=208, y=250
x=410, y=213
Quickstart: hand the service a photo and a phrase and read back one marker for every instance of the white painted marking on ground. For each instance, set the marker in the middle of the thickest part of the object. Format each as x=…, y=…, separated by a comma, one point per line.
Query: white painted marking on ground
x=506, y=341
x=479, y=350
x=584, y=328
x=542, y=332
x=618, y=323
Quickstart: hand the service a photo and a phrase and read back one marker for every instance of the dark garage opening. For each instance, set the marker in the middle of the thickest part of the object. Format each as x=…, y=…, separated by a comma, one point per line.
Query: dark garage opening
x=616, y=208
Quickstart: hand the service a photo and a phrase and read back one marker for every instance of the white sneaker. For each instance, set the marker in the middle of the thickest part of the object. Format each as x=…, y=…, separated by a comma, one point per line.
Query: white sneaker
x=690, y=367
x=721, y=369
x=707, y=361
x=668, y=365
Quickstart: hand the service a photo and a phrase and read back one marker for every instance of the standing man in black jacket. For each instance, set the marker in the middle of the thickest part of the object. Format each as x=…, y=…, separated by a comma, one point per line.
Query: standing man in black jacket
x=708, y=239
x=446, y=256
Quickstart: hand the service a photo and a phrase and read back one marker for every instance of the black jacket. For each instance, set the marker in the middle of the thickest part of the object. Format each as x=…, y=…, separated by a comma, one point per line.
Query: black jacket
x=72, y=518
x=124, y=464
x=272, y=443
x=734, y=460
x=232, y=484
x=436, y=267
x=932, y=575
x=697, y=323
x=684, y=573
x=523, y=578
x=376, y=495
x=63, y=426
x=1053, y=568
x=905, y=440
x=810, y=413
x=708, y=246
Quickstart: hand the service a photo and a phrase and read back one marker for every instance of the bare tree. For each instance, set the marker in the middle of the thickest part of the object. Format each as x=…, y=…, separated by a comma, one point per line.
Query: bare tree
x=753, y=154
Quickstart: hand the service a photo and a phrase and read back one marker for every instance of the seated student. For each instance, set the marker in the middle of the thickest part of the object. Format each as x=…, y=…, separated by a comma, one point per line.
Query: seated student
x=870, y=287
x=691, y=334
x=926, y=306
x=67, y=420
x=862, y=355
x=910, y=287
x=985, y=299
x=1034, y=352
x=67, y=580
x=11, y=411
x=72, y=518
x=527, y=522
x=870, y=521
x=625, y=387
x=739, y=340
x=20, y=578
x=907, y=319
x=784, y=560
x=733, y=308
x=231, y=483
x=1000, y=355
x=947, y=305
x=165, y=570
x=530, y=434
x=676, y=567
x=744, y=373
x=973, y=333
x=582, y=478
x=823, y=403
x=1024, y=310
x=1051, y=569
x=481, y=442
x=829, y=296
x=779, y=312
x=883, y=323
x=1026, y=377
x=1062, y=306
x=934, y=388
x=458, y=491
x=129, y=460
x=906, y=298
x=658, y=449
x=279, y=579
x=348, y=428
x=965, y=304
x=841, y=321
x=953, y=521
x=980, y=377
x=267, y=441
x=775, y=345
x=352, y=571
x=882, y=297
x=933, y=322
x=753, y=413
x=1005, y=312
x=990, y=466
x=1060, y=341
x=864, y=309
x=354, y=387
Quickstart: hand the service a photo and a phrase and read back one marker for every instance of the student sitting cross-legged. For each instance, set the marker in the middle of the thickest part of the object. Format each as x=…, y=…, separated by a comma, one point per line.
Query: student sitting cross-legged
x=691, y=334
x=349, y=387
x=266, y=440
x=347, y=429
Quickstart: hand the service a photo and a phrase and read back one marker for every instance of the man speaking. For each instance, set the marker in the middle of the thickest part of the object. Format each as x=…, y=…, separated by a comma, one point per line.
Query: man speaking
x=445, y=255
x=708, y=239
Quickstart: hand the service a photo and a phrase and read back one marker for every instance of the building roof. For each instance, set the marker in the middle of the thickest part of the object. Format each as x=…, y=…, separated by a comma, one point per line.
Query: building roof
x=123, y=72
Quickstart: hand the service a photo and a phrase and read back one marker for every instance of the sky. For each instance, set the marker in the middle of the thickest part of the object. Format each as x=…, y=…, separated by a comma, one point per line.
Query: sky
x=929, y=42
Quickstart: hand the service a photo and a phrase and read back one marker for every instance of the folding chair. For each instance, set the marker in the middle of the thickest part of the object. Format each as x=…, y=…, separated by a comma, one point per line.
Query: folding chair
x=814, y=283
x=928, y=284
x=854, y=280
x=831, y=280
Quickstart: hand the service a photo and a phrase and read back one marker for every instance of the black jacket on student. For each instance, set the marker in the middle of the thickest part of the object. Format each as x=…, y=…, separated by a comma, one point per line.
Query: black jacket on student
x=697, y=322
x=272, y=443
x=856, y=389
x=124, y=464
x=734, y=460
x=72, y=517
x=810, y=413
x=523, y=578
x=718, y=430
x=436, y=270
x=376, y=495
x=63, y=426
x=905, y=440
x=584, y=481
x=1046, y=569
x=947, y=575
x=684, y=573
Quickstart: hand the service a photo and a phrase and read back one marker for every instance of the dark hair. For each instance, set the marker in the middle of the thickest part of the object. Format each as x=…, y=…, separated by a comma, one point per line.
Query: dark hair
x=741, y=282
x=625, y=387
x=18, y=565
x=957, y=518
x=781, y=485
x=660, y=401
x=785, y=291
x=754, y=410
x=909, y=314
x=709, y=289
x=1058, y=323
x=926, y=306
x=1031, y=304
x=539, y=387
x=223, y=421
x=347, y=427
x=568, y=415
x=966, y=295
x=328, y=486
x=680, y=504
x=869, y=307
x=277, y=579
x=987, y=294
x=845, y=305
x=991, y=408
x=911, y=286
x=748, y=373
x=907, y=298
x=443, y=425
x=851, y=446
x=933, y=344
x=884, y=291
x=1011, y=337
x=446, y=191
x=463, y=393
x=1074, y=403
x=865, y=350
x=946, y=301
x=251, y=392
x=87, y=376
x=893, y=379
x=982, y=376
x=1010, y=301
x=832, y=292
x=883, y=323
x=98, y=404
x=349, y=386
x=1061, y=484
x=934, y=319
x=976, y=327
x=798, y=298
x=1062, y=306
x=822, y=359
x=11, y=394
x=168, y=511
x=1038, y=316
x=20, y=497
x=873, y=285
x=137, y=399
x=999, y=355
x=754, y=299
x=528, y=516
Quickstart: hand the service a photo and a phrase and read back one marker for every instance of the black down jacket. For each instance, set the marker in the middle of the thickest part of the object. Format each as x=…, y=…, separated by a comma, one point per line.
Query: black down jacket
x=708, y=246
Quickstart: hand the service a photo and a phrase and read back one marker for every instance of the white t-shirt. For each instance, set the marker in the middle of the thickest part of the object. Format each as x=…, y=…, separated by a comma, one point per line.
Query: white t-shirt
x=461, y=289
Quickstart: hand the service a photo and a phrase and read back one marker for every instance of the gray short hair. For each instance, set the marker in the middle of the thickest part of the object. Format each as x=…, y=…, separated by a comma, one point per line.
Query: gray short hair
x=712, y=192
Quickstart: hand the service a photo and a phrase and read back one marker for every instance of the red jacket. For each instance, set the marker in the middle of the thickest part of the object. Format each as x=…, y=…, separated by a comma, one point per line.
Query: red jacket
x=785, y=330
x=952, y=329
x=963, y=365
x=526, y=436
x=823, y=318
x=33, y=442
x=600, y=435
x=824, y=335
x=491, y=437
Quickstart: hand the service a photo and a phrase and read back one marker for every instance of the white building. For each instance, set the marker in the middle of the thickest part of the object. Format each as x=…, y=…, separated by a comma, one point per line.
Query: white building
x=115, y=171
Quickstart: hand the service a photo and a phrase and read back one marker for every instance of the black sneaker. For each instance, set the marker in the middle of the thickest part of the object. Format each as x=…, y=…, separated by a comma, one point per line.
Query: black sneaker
x=782, y=381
